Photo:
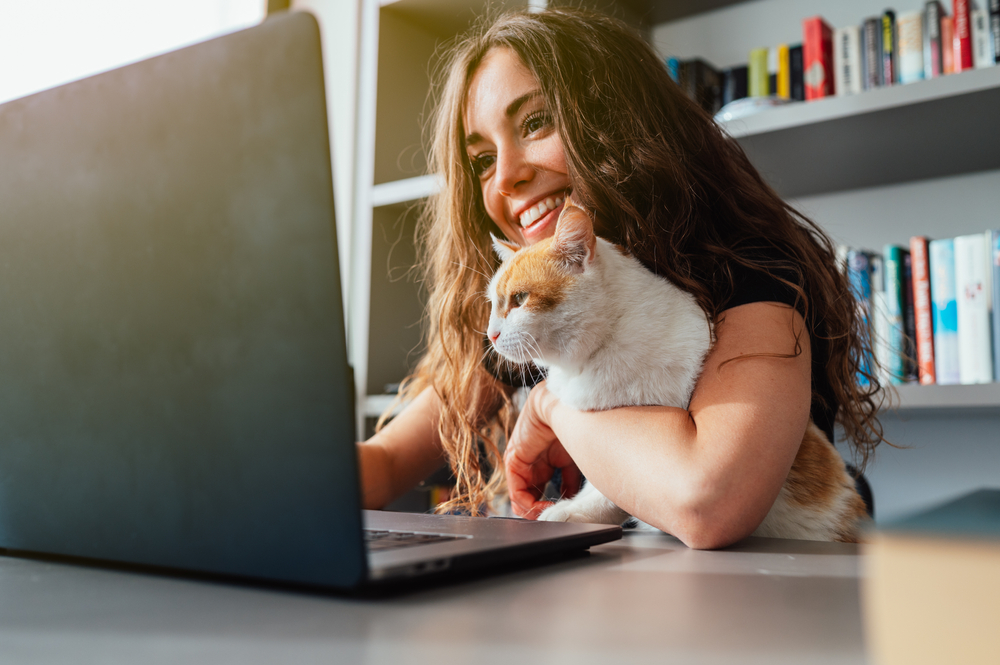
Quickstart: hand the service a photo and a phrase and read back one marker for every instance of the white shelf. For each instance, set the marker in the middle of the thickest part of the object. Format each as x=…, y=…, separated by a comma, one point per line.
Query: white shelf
x=946, y=400
x=928, y=129
x=404, y=191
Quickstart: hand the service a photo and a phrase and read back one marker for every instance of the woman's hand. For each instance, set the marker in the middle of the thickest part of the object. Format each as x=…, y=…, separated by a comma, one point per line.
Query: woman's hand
x=534, y=453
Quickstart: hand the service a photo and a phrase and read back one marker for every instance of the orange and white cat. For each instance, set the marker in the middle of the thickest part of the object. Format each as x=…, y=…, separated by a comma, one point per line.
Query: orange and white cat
x=610, y=333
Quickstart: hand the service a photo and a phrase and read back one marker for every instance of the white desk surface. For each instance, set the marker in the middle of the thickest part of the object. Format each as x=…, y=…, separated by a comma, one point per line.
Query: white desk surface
x=645, y=599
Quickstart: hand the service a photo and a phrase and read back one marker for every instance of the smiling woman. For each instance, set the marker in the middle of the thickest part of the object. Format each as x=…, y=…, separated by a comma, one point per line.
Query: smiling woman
x=538, y=110
x=57, y=41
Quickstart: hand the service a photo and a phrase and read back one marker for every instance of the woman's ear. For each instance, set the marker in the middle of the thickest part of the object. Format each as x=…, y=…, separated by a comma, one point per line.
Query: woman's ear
x=574, y=241
x=503, y=248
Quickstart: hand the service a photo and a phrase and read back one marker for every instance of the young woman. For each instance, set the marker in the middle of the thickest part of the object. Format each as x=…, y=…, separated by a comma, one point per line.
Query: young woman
x=541, y=106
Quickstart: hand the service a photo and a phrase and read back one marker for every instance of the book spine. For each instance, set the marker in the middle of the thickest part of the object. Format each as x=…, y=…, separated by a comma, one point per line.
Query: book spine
x=881, y=320
x=910, y=47
x=923, y=310
x=911, y=367
x=784, y=89
x=817, y=55
x=963, y=35
x=944, y=304
x=947, y=45
x=895, y=355
x=890, y=68
x=995, y=269
x=871, y=39
x=797, y=72
x=734, y=84
x=933, y=64
x=757, y=78
x=982, y=55
x=972, y=289
x=847, y=60
x=860, y=279
x=674, y=69
x=995, y=29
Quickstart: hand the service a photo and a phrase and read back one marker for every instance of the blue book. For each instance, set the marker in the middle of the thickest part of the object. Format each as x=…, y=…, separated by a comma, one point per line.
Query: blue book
x=859, y=276
x=944, y=309
x=894, y=362
x=995, y=267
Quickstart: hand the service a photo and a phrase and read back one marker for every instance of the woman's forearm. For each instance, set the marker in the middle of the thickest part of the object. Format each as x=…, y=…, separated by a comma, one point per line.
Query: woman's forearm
x=406, y=451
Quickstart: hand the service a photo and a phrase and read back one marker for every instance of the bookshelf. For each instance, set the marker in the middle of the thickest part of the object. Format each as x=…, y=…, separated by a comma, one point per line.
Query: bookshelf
x=893, y=136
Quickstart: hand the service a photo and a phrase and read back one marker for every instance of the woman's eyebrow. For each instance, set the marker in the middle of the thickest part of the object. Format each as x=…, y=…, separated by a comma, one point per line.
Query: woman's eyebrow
x=511, y=109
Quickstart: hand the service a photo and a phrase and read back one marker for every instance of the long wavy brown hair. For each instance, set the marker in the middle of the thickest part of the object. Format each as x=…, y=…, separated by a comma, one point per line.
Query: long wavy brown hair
x=661, y=179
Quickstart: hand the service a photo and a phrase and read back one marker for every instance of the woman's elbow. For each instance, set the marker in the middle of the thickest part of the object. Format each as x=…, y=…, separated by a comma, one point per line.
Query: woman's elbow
x=706, y=520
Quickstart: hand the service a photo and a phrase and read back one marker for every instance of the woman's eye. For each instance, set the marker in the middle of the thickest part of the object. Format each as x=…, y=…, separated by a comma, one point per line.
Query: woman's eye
x=520, y=298
x=535, y=122
x=481, y=163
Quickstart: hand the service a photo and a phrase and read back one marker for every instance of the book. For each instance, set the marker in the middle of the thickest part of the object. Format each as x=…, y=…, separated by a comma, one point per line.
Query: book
x=817, y=58
x=982, y=53
x=910, y=46
x=734, y=84
x=995, y=28
x=772, y=71
x=797, y=72
x=931, y=588
x=859, y=276
x=889, y=52
x=910, y=367
x=847, y=60
x=972, y=288
x=944, y=305
x=757, y=78
x=948, y=44
x=933, y=61
x=995, y=270
x=881, y=320
x=701, y=82
x=674, y=68
x=894, y=355
x=962, y=40
x=784, y=78
x=922, y=310
x=871, y=53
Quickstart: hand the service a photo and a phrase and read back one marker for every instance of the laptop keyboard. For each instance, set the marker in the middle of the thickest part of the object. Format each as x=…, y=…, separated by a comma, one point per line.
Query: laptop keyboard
x=377, y=540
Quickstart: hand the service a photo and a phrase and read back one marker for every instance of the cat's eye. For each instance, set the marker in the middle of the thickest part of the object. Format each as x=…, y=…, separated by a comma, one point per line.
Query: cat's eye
x=520, y=298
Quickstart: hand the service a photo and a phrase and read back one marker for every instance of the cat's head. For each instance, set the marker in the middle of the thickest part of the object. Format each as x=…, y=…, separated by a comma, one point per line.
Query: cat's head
x=543, y=295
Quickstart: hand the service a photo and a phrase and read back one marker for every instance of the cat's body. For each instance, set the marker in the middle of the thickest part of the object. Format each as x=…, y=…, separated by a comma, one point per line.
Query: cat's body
x=612, y=334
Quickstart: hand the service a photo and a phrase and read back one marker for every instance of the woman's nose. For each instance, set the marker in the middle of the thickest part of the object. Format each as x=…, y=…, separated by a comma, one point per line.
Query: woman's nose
x=512, y=171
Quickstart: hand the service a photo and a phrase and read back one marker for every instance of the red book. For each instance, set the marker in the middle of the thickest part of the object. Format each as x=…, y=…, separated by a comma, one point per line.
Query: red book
x=922, y=309
x=947, y=44
x=817, y=57
x=963, y=35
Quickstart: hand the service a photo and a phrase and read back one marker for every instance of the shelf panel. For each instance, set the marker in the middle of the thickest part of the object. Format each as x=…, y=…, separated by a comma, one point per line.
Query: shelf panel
x=405, y=191
x=929, y=129
x=947, y=400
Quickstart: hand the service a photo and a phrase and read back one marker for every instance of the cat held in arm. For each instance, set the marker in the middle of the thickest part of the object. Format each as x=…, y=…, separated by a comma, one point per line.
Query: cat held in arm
x=610, y=333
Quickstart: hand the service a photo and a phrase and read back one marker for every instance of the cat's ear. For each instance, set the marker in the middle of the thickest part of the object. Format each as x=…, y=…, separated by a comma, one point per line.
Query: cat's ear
x=574, y=241
x=504, y=248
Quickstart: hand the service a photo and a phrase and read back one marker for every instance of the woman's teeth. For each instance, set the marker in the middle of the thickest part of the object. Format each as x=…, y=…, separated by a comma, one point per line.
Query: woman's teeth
x=531, y=215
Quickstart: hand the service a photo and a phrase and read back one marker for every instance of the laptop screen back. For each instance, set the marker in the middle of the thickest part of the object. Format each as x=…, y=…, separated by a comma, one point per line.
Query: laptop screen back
x=174, y=388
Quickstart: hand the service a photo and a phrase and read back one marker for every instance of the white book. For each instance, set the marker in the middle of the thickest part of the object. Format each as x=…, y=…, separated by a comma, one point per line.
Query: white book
x=847, y=60
x=972, y=288
x=881, y=320
x=910, y=44
x=982, y=49
x=941, y=256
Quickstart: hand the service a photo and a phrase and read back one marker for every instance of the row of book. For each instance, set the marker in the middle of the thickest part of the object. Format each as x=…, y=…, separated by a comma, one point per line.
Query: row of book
x=884, y=50
x=933, y=308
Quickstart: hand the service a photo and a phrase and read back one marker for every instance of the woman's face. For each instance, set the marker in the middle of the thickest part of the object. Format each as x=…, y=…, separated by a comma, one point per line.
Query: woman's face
x=514, y=149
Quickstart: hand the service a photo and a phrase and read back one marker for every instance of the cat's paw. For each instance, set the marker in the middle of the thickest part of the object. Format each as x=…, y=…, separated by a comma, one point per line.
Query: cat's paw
x=565, y=511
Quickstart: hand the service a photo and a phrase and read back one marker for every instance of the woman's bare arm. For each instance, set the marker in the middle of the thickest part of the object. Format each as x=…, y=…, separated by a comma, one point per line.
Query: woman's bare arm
x=707, y=474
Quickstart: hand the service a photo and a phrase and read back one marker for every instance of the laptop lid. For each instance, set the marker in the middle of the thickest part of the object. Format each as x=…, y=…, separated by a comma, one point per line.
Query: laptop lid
x=174, y=385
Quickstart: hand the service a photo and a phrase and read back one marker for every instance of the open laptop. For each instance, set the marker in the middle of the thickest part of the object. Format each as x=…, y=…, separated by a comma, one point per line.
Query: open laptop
x=174, y=386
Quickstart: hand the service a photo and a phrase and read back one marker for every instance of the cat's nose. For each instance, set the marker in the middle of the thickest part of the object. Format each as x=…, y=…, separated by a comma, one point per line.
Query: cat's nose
x=493, y=335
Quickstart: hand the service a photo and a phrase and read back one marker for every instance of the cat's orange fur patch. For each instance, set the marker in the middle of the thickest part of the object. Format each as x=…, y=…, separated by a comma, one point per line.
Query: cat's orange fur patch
x=533, y=270
x=818, y=479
